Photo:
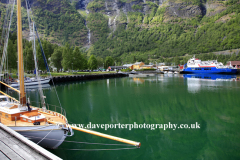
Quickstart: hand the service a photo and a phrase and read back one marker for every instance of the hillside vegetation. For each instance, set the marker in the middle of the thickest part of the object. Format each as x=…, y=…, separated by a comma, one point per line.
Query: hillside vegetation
x=134, y=30
x=57, y=21
x=176, y=37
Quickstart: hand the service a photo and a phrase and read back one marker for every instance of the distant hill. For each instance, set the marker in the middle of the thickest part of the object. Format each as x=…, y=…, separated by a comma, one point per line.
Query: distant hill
x=131, y=30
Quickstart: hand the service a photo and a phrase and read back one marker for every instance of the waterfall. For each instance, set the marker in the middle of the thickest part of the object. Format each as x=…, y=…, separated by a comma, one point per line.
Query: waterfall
x=109, y=21
x=89, y=36
x=82, y=5
x=115, y=7
x=109, y=18
x=114, y=23
x=106, y=6
x=89, y=31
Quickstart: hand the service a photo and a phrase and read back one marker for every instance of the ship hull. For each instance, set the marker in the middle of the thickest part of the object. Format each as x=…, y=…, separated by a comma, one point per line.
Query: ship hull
x=209, y=70
x=31, y=83
x=50, y=136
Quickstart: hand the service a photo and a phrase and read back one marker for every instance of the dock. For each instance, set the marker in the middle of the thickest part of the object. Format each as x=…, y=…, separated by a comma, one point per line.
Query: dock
x=60, y=79
x=15, y=146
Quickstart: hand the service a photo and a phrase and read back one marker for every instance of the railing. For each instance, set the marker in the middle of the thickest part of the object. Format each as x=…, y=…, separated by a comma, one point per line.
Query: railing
x=50, y=107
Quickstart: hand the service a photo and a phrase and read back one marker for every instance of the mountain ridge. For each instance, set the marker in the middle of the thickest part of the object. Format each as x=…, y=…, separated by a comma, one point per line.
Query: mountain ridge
x=139, y=29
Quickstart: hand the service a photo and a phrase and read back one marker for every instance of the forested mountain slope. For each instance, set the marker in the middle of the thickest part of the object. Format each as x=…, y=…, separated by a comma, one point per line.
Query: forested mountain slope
x=133, y=30
x=57, y=21
x=168, y=29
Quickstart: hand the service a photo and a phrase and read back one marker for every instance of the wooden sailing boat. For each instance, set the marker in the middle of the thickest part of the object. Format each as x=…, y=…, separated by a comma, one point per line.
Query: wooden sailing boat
x=30, y=121
x=43, y=126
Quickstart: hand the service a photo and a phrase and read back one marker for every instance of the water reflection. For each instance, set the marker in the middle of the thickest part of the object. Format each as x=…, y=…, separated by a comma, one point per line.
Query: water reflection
x=196, y=82
x=138, y=80
x=159, y=99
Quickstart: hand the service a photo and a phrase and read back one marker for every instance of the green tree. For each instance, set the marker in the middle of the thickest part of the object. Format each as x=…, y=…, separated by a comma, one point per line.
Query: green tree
x=100, y=61
x=67, y=57
x=233, y=57
x=56, y=58
x=92, y=62
x=40, y=59
x=12, y=55
x=78, y=59
x=30, y=64
x=108, y=62
x=47, y=48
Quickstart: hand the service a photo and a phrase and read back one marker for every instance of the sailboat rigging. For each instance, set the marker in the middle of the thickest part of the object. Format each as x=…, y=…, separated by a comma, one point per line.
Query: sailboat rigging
x=43, y=126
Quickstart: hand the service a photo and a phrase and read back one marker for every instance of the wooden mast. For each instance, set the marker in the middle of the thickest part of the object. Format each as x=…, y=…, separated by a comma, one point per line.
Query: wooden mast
x=20, y=54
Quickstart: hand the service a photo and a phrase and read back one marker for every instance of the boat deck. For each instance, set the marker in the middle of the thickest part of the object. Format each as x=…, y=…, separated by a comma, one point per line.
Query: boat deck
x=49, y=116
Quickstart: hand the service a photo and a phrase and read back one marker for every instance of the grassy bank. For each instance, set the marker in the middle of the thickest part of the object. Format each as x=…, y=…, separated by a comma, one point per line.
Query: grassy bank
x=55, y=74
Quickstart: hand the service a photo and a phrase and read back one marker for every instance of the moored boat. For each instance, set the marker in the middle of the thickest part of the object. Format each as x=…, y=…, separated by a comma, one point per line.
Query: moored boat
x=196, y=66
x=31, y=82
x=44, y=126
x=30, y=121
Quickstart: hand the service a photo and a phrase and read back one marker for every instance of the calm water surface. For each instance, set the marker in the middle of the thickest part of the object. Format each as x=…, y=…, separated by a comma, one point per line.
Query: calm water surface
x=214, y=104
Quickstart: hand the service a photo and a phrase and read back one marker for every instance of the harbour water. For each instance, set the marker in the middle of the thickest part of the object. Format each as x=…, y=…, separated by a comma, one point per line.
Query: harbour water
x=162, y=99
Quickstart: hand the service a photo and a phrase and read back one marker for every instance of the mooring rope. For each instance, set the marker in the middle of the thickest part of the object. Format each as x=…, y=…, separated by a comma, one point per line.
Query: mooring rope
x=105, y=144
x=45, y=136
x=99, y=149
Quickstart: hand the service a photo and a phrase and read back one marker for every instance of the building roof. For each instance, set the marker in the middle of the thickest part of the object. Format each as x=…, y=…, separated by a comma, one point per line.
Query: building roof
x=233, y=63
x=147, y=65
x=161, y=64
x=137, y=63
x=127, y=65
x=117, y=67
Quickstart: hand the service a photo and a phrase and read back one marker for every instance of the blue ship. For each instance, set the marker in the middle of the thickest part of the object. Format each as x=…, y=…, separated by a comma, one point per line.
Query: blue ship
x=196, y=66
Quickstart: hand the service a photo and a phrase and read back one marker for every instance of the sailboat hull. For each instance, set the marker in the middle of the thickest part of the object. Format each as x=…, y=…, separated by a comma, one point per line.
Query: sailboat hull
x=31, y=83
x=50, y=136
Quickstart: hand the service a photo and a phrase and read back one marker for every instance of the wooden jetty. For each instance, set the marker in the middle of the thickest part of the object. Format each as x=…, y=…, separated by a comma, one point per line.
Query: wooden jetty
x=15, y=146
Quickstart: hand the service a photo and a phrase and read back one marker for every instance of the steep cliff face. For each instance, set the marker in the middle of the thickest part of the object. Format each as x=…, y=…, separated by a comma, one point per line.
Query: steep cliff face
x=214, y=7
x=60, y=20
x=148, y=12
x=182, y=10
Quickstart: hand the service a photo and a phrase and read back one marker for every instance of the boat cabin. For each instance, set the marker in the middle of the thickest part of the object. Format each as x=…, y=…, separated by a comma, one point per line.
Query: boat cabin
x=13, y=111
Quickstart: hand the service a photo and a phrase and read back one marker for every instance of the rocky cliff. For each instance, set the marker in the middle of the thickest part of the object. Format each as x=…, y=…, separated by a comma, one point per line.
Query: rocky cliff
x=150, y=12
x=85, y=22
